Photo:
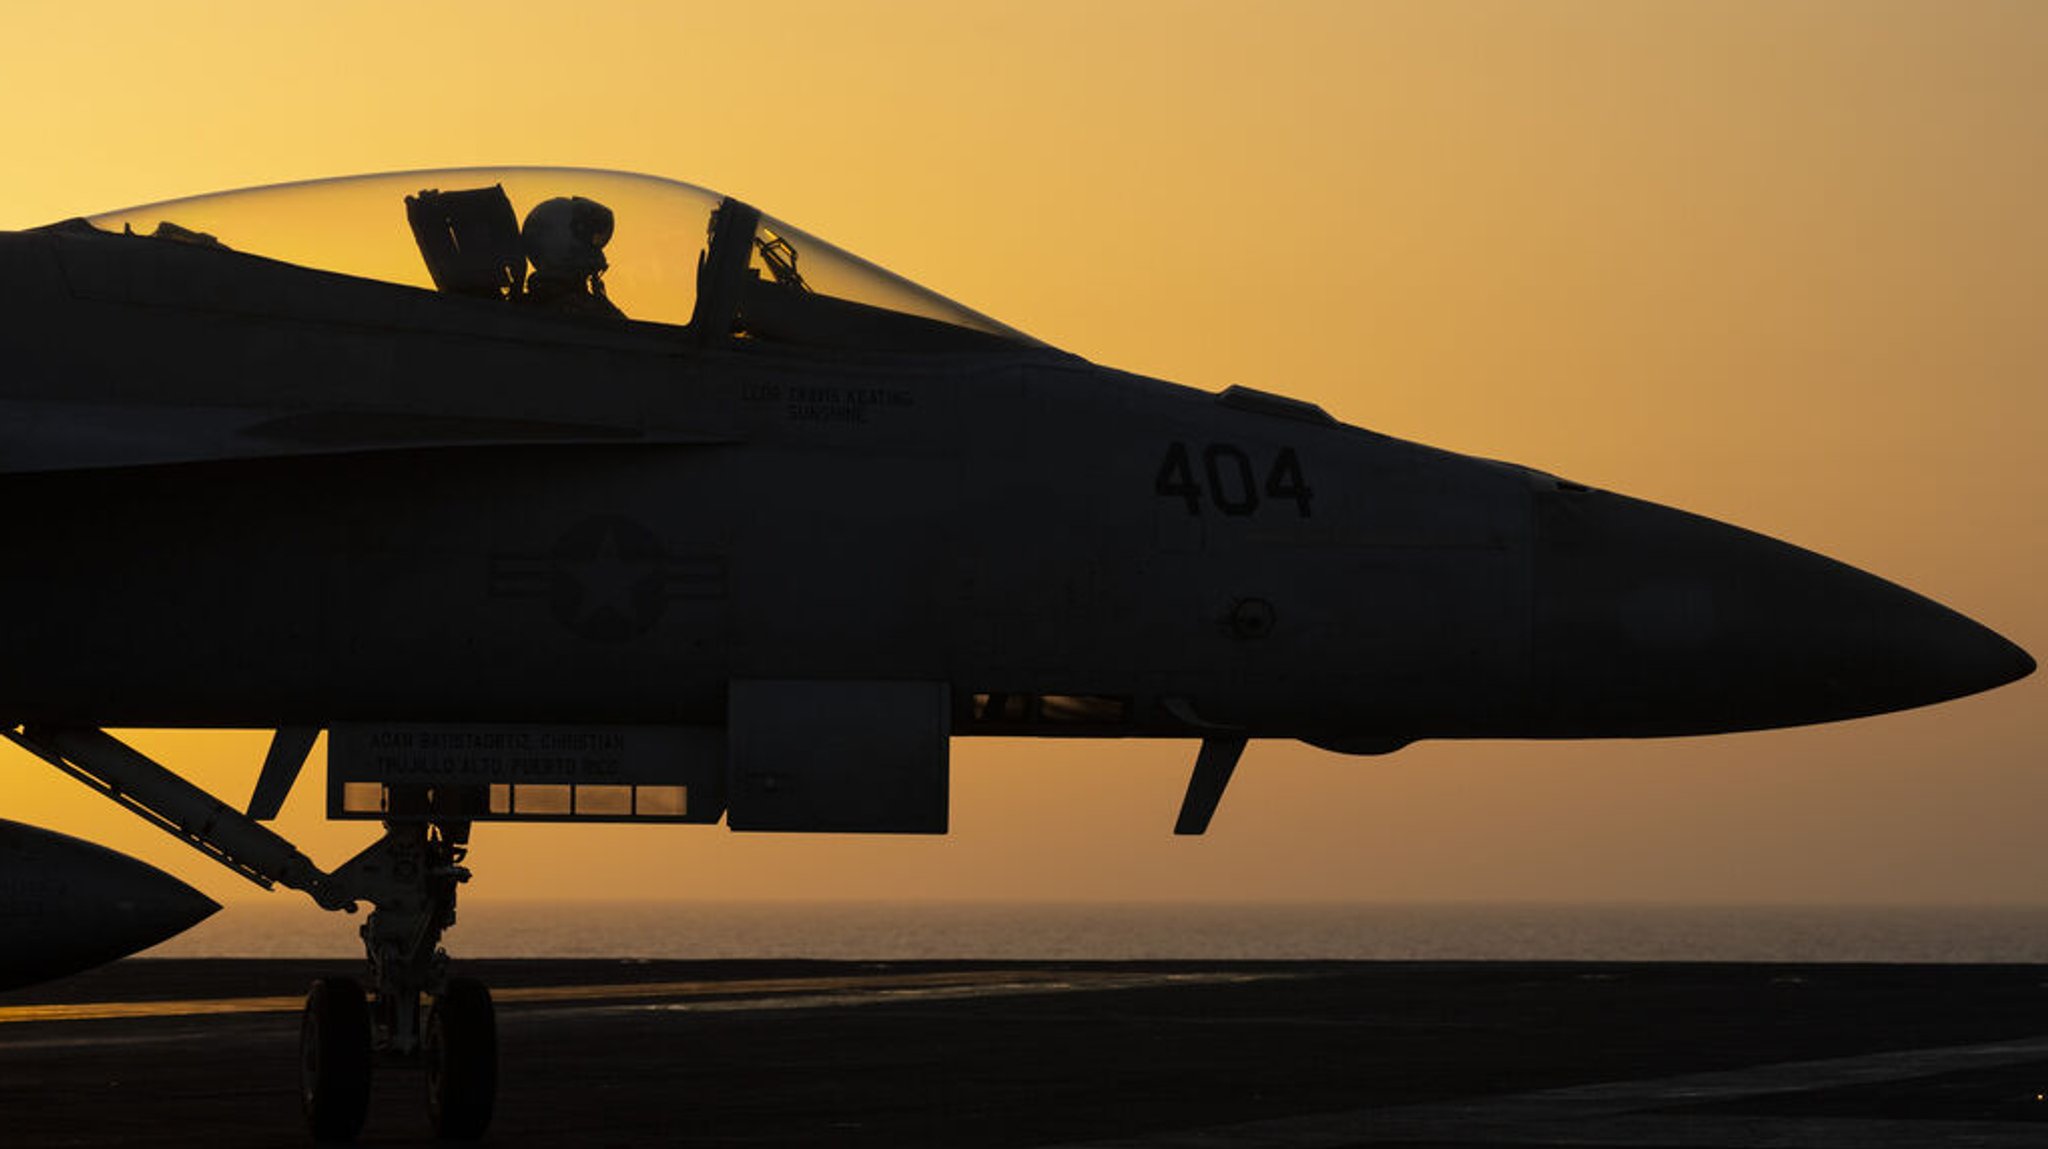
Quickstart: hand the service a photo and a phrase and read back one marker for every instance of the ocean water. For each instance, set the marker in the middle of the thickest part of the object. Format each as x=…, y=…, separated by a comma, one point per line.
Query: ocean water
x=292, y=927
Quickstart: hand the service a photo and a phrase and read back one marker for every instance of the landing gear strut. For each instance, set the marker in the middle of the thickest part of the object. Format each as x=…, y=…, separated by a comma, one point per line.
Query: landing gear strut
x=414, y=1012
x=418, y=1013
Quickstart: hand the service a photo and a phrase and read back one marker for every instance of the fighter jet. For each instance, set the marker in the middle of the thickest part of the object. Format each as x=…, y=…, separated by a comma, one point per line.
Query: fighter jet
x=565, y=495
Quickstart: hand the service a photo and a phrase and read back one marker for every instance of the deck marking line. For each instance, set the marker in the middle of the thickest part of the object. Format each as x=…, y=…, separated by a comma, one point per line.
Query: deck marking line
x=1613, y=1112
x=741, y=992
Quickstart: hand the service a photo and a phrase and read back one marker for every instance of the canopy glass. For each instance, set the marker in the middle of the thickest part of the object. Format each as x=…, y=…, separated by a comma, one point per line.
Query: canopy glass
x=608, y=245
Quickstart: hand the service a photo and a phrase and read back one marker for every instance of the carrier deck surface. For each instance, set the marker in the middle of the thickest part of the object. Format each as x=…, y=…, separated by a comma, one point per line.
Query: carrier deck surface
x=1182, y=1055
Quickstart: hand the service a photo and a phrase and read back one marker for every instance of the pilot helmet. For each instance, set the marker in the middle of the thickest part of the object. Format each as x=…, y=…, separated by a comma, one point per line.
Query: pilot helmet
x=566, y=236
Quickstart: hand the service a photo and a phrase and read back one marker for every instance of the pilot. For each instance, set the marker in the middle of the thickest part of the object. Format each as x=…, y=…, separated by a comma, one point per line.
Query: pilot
x=564, y=239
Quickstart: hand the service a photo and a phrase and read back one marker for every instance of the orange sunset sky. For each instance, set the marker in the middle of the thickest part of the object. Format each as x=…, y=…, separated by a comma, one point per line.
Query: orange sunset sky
x=1782, y=264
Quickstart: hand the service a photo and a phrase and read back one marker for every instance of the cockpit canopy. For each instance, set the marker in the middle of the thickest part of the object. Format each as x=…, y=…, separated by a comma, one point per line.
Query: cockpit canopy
x=650, y=250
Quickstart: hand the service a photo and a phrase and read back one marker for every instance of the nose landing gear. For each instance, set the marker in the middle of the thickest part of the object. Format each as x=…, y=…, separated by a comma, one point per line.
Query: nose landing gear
x=417, y=1013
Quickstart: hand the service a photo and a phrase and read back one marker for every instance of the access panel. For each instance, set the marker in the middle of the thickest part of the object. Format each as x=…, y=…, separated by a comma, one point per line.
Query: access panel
x=858, y=757
x=391, y=771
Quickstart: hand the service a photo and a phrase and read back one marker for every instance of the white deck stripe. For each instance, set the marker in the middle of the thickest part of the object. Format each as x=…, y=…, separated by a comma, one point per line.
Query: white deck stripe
x=49, y=1026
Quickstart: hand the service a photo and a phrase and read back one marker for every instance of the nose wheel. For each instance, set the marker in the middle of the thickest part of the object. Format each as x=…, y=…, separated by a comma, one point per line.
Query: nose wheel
x=460, y=1049
x=334, y=1059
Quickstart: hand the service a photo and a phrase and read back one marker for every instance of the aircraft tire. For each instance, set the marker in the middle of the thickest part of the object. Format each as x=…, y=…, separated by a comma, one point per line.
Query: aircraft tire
x=461, y=1053
x=334, y=1059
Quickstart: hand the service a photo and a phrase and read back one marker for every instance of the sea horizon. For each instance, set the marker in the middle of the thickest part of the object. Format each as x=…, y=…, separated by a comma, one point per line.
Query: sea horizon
x=1132, y=931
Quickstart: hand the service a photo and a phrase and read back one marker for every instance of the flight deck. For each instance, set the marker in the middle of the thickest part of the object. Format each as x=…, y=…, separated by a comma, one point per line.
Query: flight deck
x=1173, y=1055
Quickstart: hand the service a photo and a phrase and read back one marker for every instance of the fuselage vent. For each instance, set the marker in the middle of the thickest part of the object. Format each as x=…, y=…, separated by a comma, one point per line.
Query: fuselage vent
x=1278, y=406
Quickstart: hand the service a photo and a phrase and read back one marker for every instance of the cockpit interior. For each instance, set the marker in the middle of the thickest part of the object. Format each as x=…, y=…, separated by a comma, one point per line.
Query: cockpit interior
x=606, y=247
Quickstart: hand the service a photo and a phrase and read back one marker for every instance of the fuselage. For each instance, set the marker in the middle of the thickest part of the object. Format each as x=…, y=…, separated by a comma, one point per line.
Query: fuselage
x=241, y=493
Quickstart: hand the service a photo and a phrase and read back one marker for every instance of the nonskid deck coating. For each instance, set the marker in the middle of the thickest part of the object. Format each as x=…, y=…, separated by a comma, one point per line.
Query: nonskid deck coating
x=1159, y=1055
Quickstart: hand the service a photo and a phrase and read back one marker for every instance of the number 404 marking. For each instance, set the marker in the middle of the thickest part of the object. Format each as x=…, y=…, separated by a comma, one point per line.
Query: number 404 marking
x=1232, y=486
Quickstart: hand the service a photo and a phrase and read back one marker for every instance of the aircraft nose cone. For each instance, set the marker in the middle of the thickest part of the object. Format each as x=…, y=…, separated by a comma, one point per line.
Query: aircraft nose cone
x=1652, y=621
